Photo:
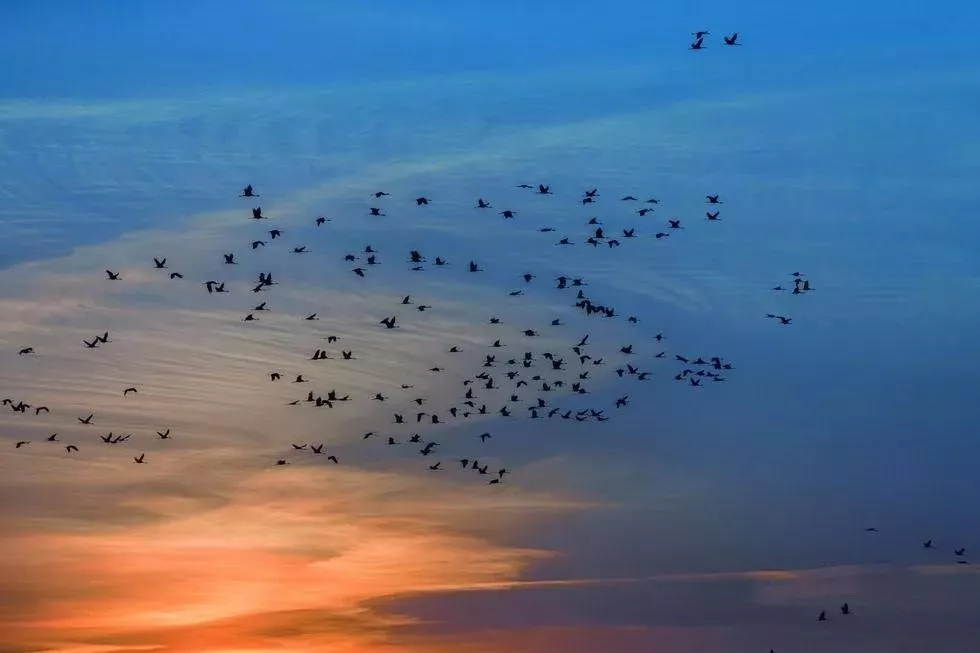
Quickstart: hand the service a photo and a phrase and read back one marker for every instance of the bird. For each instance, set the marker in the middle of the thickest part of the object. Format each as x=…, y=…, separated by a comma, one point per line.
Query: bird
x=86, y=420
x=164, y=435
x=730, y=40
x=113, y=276
x=139, y=459
x=698, y=43
x=128, y=390
x=248, y=192
x=160, y=264
x=71, y=448
x=421, y=201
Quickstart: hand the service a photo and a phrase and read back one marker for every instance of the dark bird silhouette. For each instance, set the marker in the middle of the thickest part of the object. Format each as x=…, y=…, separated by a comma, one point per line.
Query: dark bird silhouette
x=230, y=259
x=113, y=276
x=712, y=199
x=376, y=211
x=164, y=435
x=698, y=43
x=139, y=459
x=508, y=213
x=731, y=40
x=712, y=216
x=86, y=420
x=544, y=190
x=160, y=264
x=71, y=448
x=248, y=192
x=128, y=390
x=421, y=201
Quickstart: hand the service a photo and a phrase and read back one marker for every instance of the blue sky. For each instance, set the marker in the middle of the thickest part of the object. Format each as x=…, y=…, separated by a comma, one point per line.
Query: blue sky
x=841, y=137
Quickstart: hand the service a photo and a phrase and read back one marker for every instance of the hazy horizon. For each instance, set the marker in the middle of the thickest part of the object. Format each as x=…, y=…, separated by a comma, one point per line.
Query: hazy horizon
x=721, y=518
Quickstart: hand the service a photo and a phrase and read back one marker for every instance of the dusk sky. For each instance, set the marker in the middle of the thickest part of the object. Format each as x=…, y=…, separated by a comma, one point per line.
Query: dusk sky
x=842, y=139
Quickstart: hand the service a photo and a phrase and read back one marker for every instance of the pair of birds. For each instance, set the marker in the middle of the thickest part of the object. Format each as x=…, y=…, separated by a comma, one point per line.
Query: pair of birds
x=844, y=609
x=731, y=39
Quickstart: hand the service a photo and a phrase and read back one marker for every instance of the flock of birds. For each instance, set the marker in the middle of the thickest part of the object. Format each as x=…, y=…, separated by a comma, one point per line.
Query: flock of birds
x=505, y=375
x=514, y=377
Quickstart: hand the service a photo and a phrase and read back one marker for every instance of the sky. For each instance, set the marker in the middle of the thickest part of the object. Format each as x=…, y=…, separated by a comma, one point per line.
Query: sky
x=723, y=518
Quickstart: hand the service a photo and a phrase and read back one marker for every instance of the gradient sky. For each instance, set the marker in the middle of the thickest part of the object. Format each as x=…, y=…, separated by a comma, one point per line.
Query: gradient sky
x=842, y=137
